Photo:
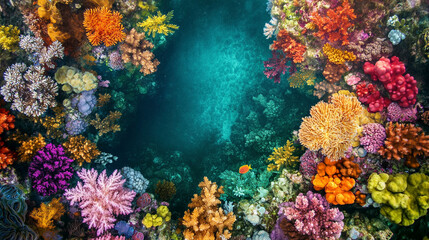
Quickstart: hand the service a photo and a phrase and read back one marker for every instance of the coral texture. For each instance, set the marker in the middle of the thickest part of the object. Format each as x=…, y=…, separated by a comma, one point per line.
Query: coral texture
x=158, y=24
x=29, y=148
x=107, y=124
x=275, y=67
x=290, y=47
x=81, y=149
x=282, y=157
x=396, y=113
x=337, y=56
x=325, y=88
x=46, y=214
x=134, y=180
x=6, y=156
x=205, y=220
x=333, y=72
x=39, y=53
x=301, y=79
x=9, y=37
x=373, y=135
x=369, y=94
x=165, y=190
x=103, y=25
x=74, y=80
x=100, y=198
x=50, y=170
x=7, y=120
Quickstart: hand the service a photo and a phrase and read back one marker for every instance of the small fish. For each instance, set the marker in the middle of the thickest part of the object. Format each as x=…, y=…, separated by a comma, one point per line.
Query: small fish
x=244, y=169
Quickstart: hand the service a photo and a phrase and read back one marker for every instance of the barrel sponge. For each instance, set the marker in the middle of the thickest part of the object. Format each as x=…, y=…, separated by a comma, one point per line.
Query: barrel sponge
x=74, y=80
x=403, y=197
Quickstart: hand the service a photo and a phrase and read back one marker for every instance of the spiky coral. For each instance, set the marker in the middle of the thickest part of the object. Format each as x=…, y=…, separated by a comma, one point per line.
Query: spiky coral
x=103, y=25
x=81, y=149
x=204, y=219
x=106, y=124
x=159, y=24
x=332, y=126
x=290, y=47
x=28, y=148
x=282, y=157
x=336, y=24
x=47, y=214
x=9, y=37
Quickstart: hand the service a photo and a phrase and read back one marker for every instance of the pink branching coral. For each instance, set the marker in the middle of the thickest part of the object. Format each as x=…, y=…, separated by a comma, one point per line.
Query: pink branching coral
x=100, y=198
x=373, y=137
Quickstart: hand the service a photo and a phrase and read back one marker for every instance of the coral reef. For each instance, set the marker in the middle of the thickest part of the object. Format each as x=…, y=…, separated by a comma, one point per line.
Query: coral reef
x=282, y=157
x=158, y=24
x=81, y=149
x=103, y=26
x=373, y=135
x=74, y=80
x=337, y=56
x=289, y=46
x=333, y=72
x=29, y=148
x=9, y=37
x=106, y=124
x=134, y=180
x=46, y=214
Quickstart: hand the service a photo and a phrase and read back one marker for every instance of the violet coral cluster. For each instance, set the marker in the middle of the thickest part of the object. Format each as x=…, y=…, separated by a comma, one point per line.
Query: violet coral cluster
x=373, y=137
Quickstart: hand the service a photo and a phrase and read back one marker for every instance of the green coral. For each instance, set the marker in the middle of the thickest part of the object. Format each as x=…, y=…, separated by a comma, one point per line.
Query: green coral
x=238, y=186
x=9, y=38
x=404, y=197
x=159, y=24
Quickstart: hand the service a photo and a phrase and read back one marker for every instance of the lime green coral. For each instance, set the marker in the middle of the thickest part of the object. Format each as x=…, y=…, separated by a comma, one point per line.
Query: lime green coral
x=159, y=24
x=282, y=156
x=404, y=197
x=9, y=38
x=154, y=220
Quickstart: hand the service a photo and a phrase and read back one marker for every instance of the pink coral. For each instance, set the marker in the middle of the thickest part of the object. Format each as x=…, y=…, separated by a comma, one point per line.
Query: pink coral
x=109, y=237
x=395, y=113
x=373, y=137
x=352, y=79
x=100, y=198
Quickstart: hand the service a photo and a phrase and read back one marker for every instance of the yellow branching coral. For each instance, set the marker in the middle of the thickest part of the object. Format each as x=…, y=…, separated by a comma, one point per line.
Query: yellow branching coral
x=337, y=56
x=28, y=148
x=159, y=24
x=47, y=213
x=300, y=79
x=107, y=124
x=53, y=124
x=205, y=220
x=282, y=156
x=103, y=99
x=331, y=126
x=9, y=38
x=81, y=149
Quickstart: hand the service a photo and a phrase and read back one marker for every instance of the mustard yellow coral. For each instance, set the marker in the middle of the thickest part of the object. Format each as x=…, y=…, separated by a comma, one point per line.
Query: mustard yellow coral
x=9, y=38
x=47, y=213
x=282, y=156
x=301, y=78
x=337, y=56
x=106, y=124
x=81, y=149
x=28, y=148
x=159, y=24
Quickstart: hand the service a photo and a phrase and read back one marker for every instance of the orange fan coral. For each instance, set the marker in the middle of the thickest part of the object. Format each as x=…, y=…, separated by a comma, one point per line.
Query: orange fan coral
x=335, y=26
x=103, y=25
x=290, y=47
x=207, y=221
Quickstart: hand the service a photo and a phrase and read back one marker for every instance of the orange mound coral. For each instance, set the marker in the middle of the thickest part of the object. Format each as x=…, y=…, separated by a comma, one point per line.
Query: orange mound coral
x=47, y=213
x=103, y=25
x=337, y=178
x=7, y=120
x=360, y=198
x=336, y=24
x=337, y=56
x=28, y=148
x=405, y=141
x=81, y=149
x=290, y=47
x=205, y=220
x=331, y=126
x=334, y=72
x=136, y=49
x=6, y=156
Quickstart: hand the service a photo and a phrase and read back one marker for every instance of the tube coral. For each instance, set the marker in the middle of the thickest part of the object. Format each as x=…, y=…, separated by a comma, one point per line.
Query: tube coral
x=103, y=25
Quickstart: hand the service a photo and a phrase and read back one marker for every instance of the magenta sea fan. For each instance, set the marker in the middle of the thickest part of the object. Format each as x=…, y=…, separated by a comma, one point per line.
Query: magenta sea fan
x=50, y=170
x=100, y=198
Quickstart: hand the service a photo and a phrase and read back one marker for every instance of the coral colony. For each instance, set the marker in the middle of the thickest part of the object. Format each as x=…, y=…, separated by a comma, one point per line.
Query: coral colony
x=355, y=167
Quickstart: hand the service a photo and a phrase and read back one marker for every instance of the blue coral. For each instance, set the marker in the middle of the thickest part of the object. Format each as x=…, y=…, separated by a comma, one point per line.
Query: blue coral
x=396, y=36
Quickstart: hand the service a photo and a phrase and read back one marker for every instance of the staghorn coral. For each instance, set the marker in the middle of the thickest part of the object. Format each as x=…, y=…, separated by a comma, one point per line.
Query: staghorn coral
x=106, y=124
x=333, y=72
x=336, y=24
x=290, y=47
x=301, y=78
x=165, y=190
x=337, y=56
x=7, y=120
x=136, y=49
x=81, y=149
x=100, y=198
x=46, y=214
x=331, y=126
x=325, y=88
x=29, y=90
x=29, y=147
x=103, y=25
x=9, y=38
x=103, y=99
x=405, y=141
x=158, y=24
x=205, y=220
x=282, y=157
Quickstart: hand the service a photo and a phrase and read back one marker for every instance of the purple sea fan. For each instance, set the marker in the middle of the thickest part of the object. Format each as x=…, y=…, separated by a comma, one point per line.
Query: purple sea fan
x=50, y=170
x=373, y=137
x=312, y=216
x=100, y=198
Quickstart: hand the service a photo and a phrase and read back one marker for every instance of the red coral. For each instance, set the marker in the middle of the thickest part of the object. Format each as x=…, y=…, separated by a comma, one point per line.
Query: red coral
x=6, y=156
x=368, y=94
x=335, y=26
x=6, y=120
x=402, y=89
x=290, y=47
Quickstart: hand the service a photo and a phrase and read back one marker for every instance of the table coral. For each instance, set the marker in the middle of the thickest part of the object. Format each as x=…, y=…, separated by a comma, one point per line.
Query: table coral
x=136, y=49
x=403, y=197
x=29, y=147
x=81, y=149
x=331, y=126
x=337, y=56
x=103, y=25
x=405, y=141
x=46, y=214
x=205, y=220
x=290, y=47
x=100, y=198
x=336, y=24
x=50, y=170
x=282, y=157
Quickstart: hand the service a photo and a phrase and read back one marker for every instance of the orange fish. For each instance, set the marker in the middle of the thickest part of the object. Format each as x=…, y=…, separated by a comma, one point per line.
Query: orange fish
x=244, y=169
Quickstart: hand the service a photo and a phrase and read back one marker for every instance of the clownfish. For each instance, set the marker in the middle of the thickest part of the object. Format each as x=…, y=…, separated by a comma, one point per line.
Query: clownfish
x=244, y=169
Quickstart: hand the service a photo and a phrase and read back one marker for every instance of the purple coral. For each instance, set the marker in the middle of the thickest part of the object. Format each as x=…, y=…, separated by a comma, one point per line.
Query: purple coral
x=50, y=170
x=85, y=102
x=275, y=67
x=115, y=60
x=75, y=124
x=396, y=113
x=100, y=198
x=311, y=216
x=309, y=161
x=373, y=137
